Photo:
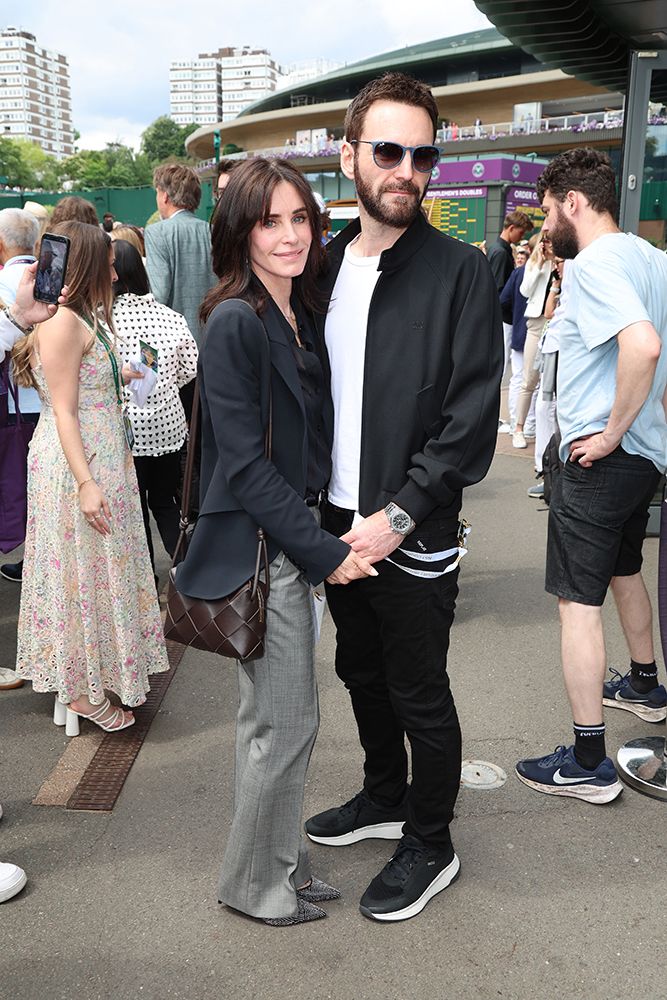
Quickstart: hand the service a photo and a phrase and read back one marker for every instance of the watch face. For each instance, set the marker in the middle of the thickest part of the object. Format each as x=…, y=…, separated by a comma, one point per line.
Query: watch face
x=400, y=522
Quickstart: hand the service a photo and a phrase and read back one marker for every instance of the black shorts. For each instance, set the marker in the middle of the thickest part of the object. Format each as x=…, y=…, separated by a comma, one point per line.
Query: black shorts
x=597, y=525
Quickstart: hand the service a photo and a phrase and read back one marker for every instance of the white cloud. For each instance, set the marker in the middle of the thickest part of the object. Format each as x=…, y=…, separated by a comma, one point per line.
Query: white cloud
x=119, y=53
x=97, y=132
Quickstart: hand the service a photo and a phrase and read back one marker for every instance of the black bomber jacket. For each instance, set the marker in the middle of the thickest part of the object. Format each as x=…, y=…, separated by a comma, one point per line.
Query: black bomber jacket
x=433, y=365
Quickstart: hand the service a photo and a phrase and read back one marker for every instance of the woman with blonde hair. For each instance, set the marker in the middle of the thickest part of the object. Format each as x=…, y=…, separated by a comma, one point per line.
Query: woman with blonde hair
x=132, y=235
x=89, y=620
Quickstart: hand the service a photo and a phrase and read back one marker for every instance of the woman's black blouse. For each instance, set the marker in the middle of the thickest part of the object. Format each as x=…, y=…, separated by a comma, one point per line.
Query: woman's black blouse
x=311, y=377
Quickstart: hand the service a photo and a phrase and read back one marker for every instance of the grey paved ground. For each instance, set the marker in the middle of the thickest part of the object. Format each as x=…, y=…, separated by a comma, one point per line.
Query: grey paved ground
x=557, y=899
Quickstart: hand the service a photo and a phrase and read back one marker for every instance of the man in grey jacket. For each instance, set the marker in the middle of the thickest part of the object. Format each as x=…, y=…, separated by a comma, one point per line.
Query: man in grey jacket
x=178, y=248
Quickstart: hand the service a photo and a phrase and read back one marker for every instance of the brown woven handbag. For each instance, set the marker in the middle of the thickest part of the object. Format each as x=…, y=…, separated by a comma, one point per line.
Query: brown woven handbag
x=234, y=625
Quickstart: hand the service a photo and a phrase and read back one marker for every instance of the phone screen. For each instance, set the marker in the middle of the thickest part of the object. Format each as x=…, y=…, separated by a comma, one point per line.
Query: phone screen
x=52, y=267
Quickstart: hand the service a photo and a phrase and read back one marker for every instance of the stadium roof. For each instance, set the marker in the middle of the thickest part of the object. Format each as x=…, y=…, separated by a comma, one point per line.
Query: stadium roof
x=427, y=60
x=591, y=40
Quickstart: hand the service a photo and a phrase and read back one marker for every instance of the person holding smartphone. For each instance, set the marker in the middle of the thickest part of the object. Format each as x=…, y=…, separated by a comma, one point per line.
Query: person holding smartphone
x=535, y=288
x=89, y=620
x=16, y=319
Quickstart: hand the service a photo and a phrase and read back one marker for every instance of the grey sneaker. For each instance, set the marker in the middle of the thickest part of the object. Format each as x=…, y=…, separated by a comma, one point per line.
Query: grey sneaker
x=536, y=492
x=305, y=912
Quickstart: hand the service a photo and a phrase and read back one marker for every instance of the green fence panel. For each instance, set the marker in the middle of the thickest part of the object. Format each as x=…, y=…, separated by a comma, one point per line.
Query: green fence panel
x=132, y=205
x=654, y=200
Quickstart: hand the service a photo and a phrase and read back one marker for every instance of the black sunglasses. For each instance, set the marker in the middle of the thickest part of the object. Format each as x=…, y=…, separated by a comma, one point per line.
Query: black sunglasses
x=389, y=154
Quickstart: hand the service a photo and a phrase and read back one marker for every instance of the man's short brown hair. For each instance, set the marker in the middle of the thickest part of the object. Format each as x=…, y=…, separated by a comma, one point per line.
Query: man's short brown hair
x=180, y=183
x=391, y=87
x=520, y=220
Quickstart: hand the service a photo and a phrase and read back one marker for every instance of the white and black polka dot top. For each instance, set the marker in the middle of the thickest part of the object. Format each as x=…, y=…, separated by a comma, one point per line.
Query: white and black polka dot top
x=160, y=427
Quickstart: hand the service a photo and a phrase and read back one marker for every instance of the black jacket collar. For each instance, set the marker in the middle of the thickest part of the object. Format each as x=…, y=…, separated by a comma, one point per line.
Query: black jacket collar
x=405, y=247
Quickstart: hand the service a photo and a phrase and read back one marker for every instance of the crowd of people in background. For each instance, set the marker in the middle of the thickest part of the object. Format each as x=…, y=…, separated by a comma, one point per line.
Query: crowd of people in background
x=302, y=370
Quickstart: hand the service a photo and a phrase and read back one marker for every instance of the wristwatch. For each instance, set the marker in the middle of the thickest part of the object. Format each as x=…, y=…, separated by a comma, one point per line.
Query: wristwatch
x=399, y=520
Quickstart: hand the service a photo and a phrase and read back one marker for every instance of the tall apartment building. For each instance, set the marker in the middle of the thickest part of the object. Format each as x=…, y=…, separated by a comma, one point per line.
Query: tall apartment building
x=35, y=97
x=216, y=86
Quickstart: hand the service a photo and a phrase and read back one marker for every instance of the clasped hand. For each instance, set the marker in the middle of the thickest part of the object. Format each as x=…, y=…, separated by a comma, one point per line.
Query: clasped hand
x=371, y=541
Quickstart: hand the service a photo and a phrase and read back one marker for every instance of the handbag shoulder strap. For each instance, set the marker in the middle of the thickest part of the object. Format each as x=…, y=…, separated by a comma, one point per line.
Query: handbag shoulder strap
x=186, y=506
x=186, y=496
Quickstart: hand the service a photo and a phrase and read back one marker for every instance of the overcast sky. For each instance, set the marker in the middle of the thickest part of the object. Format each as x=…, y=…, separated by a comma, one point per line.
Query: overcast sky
x=119, y=52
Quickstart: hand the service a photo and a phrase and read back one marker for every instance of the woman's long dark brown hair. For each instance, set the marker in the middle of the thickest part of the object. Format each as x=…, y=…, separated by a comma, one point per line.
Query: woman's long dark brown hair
x=245, y=202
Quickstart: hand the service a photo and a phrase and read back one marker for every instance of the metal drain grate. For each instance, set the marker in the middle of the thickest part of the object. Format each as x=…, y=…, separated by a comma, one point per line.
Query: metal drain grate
x=103, y=779
x=481, y=775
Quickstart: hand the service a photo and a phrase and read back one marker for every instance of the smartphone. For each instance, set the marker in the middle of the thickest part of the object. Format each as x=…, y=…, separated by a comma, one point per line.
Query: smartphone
x=52, y=267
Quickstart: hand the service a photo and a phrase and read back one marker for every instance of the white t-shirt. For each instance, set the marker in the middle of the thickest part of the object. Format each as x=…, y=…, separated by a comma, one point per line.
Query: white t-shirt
x=345, y=335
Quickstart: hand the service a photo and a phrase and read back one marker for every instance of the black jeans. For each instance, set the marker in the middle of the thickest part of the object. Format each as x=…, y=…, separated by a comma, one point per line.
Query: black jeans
x=158, y=477
x=392, y=635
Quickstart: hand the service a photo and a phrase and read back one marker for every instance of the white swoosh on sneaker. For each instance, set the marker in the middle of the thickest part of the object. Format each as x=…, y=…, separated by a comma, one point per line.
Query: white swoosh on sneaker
x=560, y=780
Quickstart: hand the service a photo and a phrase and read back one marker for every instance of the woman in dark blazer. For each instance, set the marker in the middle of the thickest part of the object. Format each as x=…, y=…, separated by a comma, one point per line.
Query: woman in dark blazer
x=258, y=353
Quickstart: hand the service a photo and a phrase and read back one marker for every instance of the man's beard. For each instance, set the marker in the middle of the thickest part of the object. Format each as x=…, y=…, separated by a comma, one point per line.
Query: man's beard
x=397, y=212
x=564, y=242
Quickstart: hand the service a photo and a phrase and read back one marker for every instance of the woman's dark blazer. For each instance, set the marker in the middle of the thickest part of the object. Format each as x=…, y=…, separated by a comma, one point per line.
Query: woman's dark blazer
x=240, y=489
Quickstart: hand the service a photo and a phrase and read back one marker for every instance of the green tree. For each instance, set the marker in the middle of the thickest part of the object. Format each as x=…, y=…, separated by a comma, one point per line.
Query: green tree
x=124, y=168
x=13, y=165
x=164, y=140
x=87, y=168
x=115, y=166
x=45, y=169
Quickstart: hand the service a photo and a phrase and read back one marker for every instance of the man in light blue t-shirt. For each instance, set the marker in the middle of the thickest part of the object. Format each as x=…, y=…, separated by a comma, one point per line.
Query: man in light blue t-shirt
x=612, y=382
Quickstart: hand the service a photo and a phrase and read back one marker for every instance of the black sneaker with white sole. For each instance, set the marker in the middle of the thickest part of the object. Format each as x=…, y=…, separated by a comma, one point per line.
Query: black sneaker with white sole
x=415, y=874
x=12, y=571
x=358, y=819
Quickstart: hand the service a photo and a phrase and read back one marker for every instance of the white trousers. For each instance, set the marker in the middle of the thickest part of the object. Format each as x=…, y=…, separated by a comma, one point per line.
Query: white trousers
x=545, y=425
x=514, y=390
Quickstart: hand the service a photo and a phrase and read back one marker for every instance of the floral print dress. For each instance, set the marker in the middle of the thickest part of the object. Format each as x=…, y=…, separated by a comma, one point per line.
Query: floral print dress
x=89, y=617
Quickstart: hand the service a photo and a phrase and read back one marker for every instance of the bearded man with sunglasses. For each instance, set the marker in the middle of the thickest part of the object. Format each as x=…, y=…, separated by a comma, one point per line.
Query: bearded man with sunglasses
x=414, y=340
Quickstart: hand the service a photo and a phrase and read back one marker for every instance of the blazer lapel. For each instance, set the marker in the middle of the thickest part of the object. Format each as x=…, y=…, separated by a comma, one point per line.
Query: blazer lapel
x=281, y=354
